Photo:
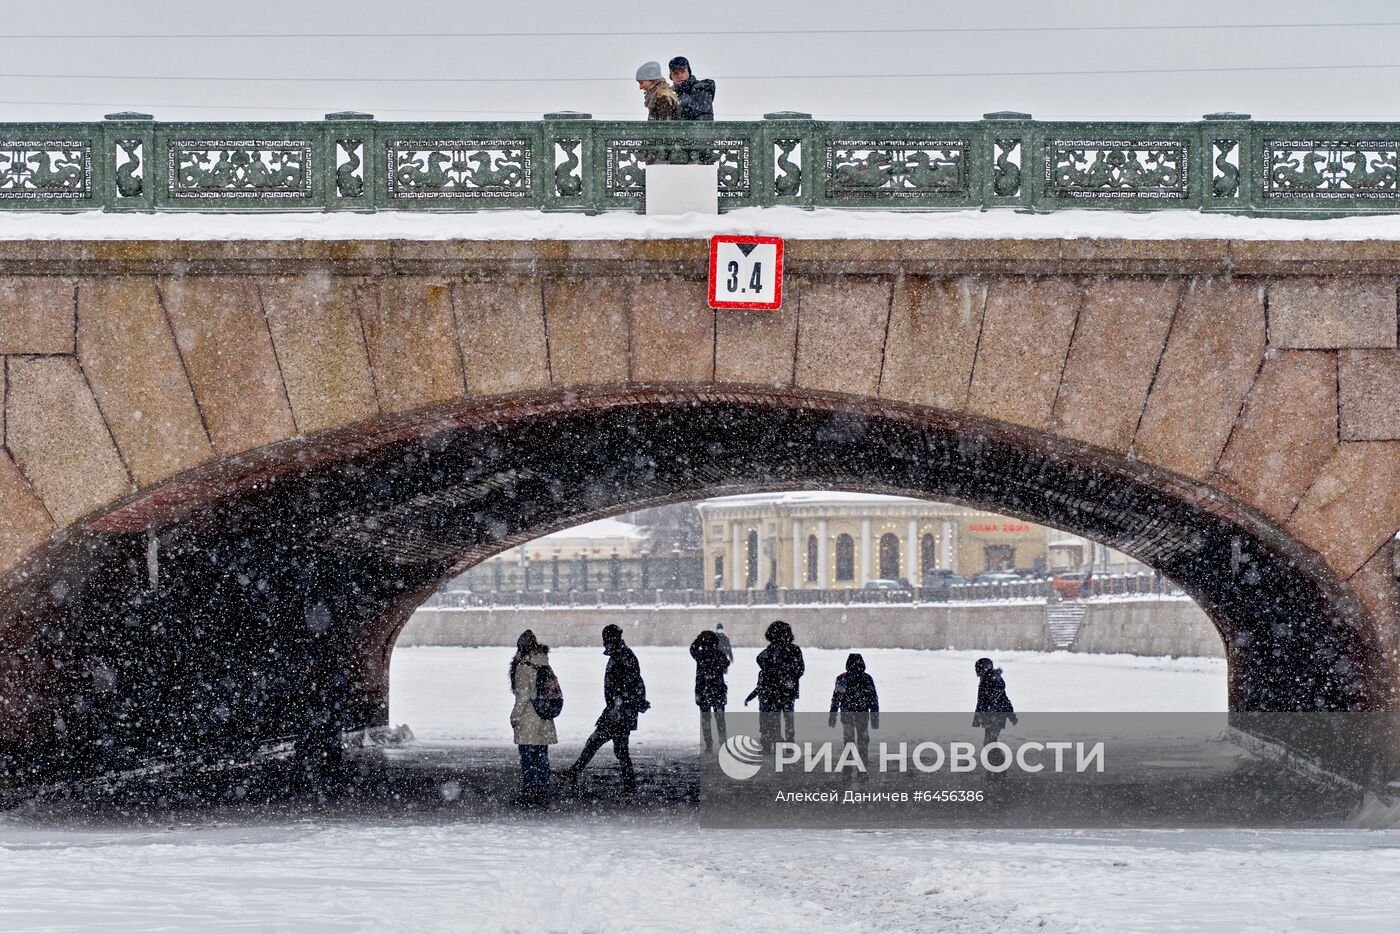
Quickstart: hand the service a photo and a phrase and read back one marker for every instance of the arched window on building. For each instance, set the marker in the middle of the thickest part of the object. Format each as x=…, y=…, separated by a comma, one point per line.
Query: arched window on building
x=928, y=555
x=845, y=557
x=999, y=557
x=811, y=559
x=751, y=561
x=889, y=556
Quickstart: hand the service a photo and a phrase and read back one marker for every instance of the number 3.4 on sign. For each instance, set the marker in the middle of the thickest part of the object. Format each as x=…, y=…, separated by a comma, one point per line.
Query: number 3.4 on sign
x=746, y=272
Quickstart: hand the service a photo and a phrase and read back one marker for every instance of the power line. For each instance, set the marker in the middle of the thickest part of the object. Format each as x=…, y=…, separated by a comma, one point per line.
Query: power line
x=314, y=79
x=729, y=33
x=313, y=113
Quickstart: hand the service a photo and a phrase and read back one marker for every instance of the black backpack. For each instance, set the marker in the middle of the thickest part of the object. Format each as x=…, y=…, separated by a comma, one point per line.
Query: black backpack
x=549, y=696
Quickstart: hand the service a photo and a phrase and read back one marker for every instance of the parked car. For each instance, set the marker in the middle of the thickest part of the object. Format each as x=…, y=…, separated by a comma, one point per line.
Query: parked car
x=885, y=584
x=1072, y=585
x=942, y=577
x=938, y=583
x=996, y=577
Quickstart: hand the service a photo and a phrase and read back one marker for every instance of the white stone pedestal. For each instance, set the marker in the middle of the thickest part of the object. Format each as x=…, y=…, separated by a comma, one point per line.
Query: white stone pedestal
x=682, y=189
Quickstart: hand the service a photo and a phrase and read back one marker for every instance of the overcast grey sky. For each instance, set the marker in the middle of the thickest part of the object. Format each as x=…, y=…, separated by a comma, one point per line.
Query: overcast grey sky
x=834, y=58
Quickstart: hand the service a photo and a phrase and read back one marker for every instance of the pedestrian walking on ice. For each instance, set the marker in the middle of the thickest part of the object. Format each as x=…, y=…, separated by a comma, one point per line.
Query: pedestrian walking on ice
x=855, y=700
x=993, y=705
x=724, y=644
x=711, y=693
x=780, y=669
x=624, y=697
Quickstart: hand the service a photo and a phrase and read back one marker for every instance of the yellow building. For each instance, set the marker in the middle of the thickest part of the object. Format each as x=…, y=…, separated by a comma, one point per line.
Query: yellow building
x=819, y=540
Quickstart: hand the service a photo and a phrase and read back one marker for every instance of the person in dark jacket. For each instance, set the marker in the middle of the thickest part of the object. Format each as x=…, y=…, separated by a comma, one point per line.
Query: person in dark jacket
x=624, y=696
x=857, y=703
x=697, y=95
x=780, y=668
x=711, y=693
x=724, y=646
x=993, y=705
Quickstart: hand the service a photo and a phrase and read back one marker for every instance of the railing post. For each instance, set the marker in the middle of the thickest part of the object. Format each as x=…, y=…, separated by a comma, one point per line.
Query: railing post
x=567, y=180
x=1230, y=165
x=789, y=160
x=350, y=163
x=125, y=152
x=1003, y=154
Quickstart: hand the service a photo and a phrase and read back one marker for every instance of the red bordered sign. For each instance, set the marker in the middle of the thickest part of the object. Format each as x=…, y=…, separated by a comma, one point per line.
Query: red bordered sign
x=746, y=272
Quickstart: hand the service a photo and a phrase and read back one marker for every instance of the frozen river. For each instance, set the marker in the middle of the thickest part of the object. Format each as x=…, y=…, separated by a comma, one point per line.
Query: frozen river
x=460, y=693
x=627, y=871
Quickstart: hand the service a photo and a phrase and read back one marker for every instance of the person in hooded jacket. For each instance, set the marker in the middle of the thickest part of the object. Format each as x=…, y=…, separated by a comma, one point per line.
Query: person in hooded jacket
x=711, y=693
x=993, y=705
x=780, y=669
x=697, y=95
x=624, y=697
x=857, y=703
x=533, y=734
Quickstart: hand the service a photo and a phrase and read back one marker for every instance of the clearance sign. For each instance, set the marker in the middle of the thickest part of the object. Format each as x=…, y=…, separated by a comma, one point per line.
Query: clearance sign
x=746, y=272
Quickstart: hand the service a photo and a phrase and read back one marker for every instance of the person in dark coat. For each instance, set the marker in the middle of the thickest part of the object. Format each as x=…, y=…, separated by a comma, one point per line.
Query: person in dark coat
x=624, y=697
x=711, y=693
x=780, y=669
x=993, y=705
x=856, y=701
x=724, y=646
x=697, y=95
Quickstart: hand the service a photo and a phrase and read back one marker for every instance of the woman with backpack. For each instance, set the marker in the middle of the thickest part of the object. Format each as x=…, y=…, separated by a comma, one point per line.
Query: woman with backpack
x=537, y=703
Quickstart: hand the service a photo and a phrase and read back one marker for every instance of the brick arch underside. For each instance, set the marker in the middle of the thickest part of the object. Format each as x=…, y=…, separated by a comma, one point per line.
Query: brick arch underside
x=226, y=606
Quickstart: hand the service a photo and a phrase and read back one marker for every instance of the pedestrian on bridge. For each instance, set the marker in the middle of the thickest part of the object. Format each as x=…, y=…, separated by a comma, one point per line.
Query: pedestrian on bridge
x=624, y=697
x=780, y=669
x=711, y=693
x=535, y=686
x=661, y=102
x=661, y=99
x=697, y=95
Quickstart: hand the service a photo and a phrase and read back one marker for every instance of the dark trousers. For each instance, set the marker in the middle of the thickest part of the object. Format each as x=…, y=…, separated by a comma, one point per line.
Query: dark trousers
x=619, y=740
x=534, y=767
x=990, y=733
x=776, y=723
x=855, y=728
x=705, y=725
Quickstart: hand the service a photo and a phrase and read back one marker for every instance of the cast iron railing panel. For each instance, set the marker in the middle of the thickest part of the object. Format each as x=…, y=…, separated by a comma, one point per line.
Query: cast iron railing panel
x=570, y=162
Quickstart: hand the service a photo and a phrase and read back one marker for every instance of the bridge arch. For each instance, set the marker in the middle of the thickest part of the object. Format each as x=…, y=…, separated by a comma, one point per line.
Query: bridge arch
x=207, y=598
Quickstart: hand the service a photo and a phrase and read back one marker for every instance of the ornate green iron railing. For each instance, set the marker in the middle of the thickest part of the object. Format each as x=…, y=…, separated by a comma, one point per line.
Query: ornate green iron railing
x=569, y=162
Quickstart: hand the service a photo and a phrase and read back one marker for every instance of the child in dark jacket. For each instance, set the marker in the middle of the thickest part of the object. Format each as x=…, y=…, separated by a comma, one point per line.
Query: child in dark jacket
x=858, y=704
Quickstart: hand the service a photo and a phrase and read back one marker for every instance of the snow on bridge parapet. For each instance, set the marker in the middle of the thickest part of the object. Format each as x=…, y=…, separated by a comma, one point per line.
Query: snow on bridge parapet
x=789, y=222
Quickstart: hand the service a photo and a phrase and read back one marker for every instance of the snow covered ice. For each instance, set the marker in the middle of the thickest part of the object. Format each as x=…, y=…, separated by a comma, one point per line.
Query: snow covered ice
x=614, y=871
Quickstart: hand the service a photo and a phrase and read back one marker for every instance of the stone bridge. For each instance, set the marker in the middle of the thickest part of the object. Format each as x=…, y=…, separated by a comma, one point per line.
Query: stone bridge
x=231, y=470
